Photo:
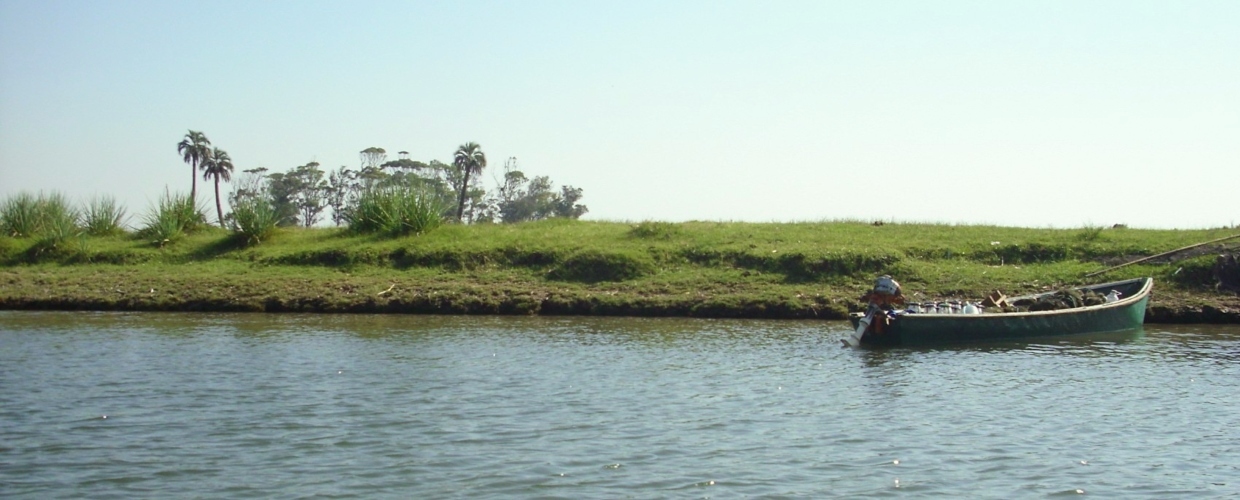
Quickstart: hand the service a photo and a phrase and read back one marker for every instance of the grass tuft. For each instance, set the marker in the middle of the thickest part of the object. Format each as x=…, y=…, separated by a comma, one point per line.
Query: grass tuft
x=396, y=211
x=654, y=230
x=46, y=215
x=49, y=218
x=254, y=219
x=1089, y=233
x=103, y=217
x=19, y=215
x=174, y=217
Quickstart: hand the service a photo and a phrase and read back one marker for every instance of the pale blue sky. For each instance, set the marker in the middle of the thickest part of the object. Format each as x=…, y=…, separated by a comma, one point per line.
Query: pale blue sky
x=1034, y=114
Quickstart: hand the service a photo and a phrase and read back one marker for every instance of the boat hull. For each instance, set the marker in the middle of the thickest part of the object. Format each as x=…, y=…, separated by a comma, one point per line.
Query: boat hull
x=925, y=329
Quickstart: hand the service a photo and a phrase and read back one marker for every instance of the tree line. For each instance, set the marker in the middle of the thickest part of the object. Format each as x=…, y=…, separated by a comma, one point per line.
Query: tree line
x=308, y=194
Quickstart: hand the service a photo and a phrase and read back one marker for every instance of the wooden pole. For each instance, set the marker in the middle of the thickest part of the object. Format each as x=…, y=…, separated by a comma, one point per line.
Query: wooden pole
x=1164, y=254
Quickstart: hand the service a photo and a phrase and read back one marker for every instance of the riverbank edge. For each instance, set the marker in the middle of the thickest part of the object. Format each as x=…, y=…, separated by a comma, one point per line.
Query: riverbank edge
x=1174, y=307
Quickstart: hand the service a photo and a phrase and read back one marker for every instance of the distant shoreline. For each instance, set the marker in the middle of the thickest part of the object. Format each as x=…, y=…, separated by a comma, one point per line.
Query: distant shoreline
x=1161, y=310
x=584, y=268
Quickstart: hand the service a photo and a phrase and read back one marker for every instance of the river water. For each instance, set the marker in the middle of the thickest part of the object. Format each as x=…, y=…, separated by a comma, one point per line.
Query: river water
x=109, y=405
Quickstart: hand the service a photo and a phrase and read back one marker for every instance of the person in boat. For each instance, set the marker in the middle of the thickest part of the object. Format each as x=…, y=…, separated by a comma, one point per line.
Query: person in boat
x=886, y=295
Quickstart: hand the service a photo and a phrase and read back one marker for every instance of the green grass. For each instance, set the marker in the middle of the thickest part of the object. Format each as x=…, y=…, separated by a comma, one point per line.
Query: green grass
x=582, y=267
x=656, y=230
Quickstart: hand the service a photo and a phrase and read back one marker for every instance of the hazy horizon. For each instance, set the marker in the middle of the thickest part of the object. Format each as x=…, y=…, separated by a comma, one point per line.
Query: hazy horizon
x=1025, y=114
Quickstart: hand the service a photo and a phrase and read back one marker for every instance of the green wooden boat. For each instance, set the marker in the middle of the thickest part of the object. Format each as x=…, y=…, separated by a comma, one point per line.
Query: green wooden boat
x=1127, y=313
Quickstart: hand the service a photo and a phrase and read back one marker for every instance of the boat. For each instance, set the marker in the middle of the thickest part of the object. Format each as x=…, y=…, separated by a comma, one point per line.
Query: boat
x=1124, y=309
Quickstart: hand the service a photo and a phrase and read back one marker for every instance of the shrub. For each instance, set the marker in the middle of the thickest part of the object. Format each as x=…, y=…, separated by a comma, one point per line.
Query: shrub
x=175, y=216
x=419, y=212
x=396, y=211
x=26, y=215
x=59, y=227
x=1089, y=233
x=254, y=219
x=19, y=215
x=49, y=217
x=103, y=217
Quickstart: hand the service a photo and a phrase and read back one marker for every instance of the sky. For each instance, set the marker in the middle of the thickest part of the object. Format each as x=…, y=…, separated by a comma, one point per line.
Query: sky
x=1034, y=114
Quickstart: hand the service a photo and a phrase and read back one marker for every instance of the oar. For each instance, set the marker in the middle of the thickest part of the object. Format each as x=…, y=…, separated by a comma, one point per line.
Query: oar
x=1164, y=254
x=854, y=339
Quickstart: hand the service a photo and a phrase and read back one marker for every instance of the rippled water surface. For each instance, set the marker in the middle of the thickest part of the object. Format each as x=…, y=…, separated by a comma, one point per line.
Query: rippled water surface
x=242, y=406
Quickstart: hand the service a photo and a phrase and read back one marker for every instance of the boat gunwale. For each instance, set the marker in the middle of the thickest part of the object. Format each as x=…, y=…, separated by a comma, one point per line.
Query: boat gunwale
x=1141, y=294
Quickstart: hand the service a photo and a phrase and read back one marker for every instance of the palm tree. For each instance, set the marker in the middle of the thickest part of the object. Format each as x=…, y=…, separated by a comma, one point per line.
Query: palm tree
x=194, y=148
x=217, y=165
x=469, y=159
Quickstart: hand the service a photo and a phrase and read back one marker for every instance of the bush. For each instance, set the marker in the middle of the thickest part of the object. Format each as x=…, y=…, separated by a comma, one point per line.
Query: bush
x=396, y=211
x=1089, y=233
x=174, y=217
x=49, y=218
x=103, y=217
x=59, y=228
x=26, y=215
x=254, y=219
x=19, y=216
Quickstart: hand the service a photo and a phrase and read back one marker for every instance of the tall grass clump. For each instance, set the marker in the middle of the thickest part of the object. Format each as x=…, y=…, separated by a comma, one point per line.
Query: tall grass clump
x=396, y=211
x=103, y=217
x=48, y=217
x=1089, y=233
x=254, y=219
x=175, y=216
x=58, y=222
x=26, y=215
x=19, y=215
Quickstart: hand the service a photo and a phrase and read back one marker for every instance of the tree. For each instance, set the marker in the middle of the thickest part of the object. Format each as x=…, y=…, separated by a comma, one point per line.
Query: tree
x=341, y=192
x=469, y=159
x=445, y=181
x=565, y=204
x=251, y=184
x=372, y=157
x=309, y=195
x=217, y=165
x=530, y=200
x=193, y=149
x=300, y=195
x=404, y=164
x=281, y=193
x=520, y=199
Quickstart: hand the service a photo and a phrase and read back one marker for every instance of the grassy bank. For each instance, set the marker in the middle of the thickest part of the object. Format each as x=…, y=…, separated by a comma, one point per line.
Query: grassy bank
x=715, y=269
